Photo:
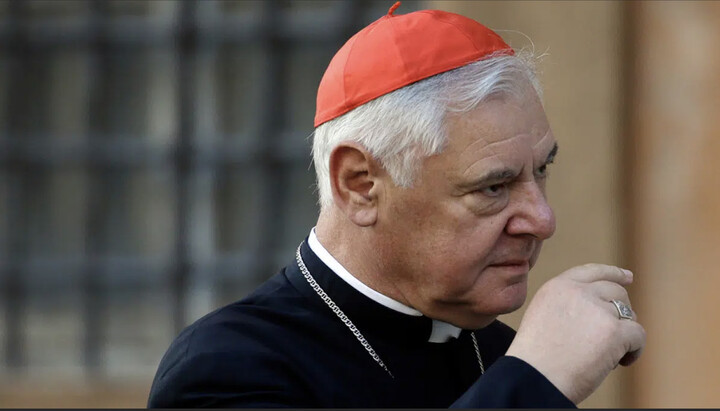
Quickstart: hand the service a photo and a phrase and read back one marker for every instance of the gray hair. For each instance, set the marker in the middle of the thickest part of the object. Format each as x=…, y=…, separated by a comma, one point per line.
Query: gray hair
x=401, y=128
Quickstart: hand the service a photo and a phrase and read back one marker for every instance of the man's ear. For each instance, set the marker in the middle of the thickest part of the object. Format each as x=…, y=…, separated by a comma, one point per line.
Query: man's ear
x=355, y=177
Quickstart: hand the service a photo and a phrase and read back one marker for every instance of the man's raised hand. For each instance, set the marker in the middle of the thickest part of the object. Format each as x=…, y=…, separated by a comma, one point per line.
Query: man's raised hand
x=572, y=333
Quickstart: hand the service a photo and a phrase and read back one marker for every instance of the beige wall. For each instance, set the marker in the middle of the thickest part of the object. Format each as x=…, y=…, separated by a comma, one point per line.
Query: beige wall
x=676, y=195
x=581, y=75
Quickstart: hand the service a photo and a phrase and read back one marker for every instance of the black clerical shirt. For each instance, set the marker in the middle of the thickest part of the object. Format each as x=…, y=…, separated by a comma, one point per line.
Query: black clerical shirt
x=282, y=346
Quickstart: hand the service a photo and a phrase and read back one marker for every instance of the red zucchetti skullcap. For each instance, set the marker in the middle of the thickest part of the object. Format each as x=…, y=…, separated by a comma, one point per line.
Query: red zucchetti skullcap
x=395, y=51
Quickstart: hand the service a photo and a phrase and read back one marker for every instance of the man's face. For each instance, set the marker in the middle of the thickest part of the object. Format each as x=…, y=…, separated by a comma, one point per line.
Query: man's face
x=461, y=241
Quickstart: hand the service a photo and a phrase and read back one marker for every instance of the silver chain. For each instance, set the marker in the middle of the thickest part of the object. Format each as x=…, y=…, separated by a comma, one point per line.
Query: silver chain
x=477, y=353
x=344, y=318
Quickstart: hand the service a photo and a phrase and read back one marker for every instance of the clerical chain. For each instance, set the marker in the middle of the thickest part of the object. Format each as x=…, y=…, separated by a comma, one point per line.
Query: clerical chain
x=344, y=318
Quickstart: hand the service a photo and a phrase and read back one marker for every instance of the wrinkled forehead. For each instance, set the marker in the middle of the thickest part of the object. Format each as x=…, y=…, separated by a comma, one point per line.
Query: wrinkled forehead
x=512, y=125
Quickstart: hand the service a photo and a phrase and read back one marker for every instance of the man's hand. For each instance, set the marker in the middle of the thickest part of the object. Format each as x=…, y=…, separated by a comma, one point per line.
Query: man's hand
x=571, y=331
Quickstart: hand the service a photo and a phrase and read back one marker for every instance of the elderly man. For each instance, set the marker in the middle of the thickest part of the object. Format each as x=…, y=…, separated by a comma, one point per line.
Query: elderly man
x=432, y=152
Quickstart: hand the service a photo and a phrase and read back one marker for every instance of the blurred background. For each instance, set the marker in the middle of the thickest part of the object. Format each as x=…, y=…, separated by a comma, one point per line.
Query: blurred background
x=154, y=165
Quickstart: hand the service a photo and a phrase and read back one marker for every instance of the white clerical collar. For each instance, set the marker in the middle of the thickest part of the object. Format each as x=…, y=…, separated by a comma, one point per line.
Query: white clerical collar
x=441, y=331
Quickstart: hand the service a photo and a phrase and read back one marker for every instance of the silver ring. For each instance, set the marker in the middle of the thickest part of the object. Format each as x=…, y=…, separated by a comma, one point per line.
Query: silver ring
x=624, y=310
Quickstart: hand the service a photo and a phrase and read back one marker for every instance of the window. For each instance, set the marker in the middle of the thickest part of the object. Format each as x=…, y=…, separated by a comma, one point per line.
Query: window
x=154, y=165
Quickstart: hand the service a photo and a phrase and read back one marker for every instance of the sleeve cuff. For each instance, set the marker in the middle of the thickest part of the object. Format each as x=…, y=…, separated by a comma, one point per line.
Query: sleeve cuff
x=512, y=383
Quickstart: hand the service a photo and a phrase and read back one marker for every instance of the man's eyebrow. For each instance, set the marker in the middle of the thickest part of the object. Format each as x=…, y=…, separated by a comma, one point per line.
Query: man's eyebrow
x=501, y=175
x=552, y=154
x=492, y=177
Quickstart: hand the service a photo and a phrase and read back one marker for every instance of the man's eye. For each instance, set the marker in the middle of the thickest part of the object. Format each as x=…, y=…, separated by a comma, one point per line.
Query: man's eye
x=494, y=190
x=542, y=171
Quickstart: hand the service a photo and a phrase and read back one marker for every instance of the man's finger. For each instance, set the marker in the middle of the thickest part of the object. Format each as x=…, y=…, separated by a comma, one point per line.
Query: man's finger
x=634, y=336
x=589, y=273
x=608, y=291
x=630, y=358
x=615, y=311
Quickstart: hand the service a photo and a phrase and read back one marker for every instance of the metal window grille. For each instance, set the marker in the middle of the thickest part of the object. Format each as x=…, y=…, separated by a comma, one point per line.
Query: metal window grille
x=154, y=164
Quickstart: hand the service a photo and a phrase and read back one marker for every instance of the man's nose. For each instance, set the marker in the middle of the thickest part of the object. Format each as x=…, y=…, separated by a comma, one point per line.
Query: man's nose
x=531, y=213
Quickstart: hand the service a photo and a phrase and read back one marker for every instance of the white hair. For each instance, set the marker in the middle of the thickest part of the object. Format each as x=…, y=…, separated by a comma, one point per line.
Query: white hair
x=401, y=128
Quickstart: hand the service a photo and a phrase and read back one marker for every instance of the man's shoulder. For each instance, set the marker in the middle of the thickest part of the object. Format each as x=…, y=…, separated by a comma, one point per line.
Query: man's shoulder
x=233, y=343
x=268, y=309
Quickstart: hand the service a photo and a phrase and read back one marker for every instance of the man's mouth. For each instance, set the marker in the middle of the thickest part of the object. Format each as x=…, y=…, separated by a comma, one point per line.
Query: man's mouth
x=519, y=266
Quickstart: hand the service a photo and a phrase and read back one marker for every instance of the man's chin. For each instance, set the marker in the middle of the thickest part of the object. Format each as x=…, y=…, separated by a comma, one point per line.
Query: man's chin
x=481, y=319
x=475, y=322
x=513, y=298
x=480, y=314
x=515, y=306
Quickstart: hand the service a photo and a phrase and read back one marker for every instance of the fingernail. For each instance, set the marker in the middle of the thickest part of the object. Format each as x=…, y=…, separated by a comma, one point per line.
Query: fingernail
x=628, y=273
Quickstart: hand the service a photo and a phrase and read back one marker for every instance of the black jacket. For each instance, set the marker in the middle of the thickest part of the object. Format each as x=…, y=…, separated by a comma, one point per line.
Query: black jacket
x=282, y=346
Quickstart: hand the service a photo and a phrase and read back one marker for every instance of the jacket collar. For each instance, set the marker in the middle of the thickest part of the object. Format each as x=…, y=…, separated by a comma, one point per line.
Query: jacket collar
x=368, y=315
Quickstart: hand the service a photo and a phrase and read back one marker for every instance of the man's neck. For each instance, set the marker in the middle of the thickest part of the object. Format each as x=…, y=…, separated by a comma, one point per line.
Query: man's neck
x=354, y=248
x=344, y=255
x=317, y=247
